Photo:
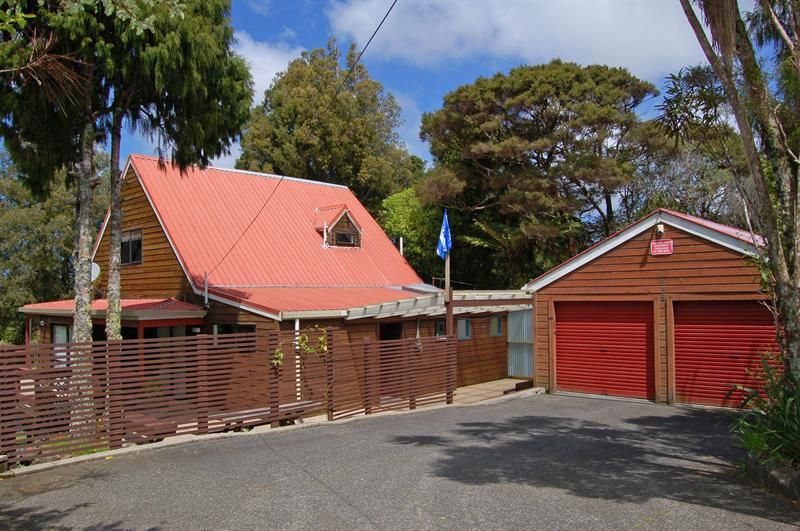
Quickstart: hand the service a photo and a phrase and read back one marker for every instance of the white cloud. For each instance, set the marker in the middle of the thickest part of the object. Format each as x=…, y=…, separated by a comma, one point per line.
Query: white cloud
x=259, y=6
x=648, y=37
x=265, y=59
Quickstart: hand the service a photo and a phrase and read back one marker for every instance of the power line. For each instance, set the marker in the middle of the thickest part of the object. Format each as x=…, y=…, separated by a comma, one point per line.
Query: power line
x=349, y=72
x=365, y=48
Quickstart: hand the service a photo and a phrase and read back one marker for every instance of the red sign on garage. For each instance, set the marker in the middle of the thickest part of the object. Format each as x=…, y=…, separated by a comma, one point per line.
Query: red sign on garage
x=661, y=247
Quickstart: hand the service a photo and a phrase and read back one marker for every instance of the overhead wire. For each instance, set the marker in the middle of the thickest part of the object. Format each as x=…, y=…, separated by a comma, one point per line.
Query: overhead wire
x=263, y=206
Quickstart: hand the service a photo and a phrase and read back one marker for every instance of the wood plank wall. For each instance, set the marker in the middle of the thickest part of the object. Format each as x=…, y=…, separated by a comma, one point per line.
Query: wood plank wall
x=482, y=358
x=698, y=268
x=159, y=274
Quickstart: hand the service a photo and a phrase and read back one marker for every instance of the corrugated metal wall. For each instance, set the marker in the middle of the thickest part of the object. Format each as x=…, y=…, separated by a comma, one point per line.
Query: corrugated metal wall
x=520, y=344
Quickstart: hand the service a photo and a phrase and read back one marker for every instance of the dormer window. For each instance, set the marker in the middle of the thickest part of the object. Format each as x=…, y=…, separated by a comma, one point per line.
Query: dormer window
x=337, y=226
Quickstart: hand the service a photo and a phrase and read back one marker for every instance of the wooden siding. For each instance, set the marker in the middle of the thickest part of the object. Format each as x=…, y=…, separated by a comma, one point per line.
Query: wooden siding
x=482, y=358
x=697, y=268
x=159, y=274
x=220, y=313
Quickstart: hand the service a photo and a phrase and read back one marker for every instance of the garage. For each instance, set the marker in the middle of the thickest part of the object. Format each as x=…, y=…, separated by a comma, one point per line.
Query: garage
x=719, y=345
x=668, y=309
x=605, y=348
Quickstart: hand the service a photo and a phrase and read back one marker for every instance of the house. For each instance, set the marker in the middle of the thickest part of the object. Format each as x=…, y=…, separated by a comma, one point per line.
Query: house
x=201, y=253
x=668, y=309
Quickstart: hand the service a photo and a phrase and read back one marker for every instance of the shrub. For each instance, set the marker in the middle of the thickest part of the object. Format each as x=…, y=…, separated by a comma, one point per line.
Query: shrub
x=771, y=426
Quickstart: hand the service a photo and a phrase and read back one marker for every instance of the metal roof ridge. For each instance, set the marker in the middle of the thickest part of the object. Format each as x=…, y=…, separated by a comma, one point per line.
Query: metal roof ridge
x=312, y=286
x=247, y=172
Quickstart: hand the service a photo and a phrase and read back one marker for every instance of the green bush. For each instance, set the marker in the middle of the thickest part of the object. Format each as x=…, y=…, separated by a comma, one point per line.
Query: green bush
x=771, y=426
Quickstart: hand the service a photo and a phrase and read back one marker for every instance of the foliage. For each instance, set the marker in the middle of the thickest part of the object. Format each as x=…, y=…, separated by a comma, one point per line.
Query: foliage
x=156, y=64
x=303, y=128
x=762, y=96
x=533, y=160
x=771, y=428
x=404, y=215
x=37, y=242
x=303, y=346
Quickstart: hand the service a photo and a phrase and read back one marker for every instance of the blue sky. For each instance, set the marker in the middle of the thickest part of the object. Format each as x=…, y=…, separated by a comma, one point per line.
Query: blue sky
x=427, y=48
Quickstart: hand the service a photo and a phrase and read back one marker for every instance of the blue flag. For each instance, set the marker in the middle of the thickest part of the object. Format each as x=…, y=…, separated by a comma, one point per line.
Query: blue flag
x=445, y=243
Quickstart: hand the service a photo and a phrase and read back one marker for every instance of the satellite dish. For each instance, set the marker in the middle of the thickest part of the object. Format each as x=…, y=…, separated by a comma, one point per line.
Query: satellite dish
x=95, y=271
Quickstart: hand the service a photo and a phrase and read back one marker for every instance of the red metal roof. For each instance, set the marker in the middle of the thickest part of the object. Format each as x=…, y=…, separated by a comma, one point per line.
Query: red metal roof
x=100, y=305
x=739, y=234
x=204, y=212
x=327, y=216
x=297, y=299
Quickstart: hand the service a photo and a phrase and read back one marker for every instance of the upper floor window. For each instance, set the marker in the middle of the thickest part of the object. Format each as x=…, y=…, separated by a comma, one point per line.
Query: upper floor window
x=132, y=246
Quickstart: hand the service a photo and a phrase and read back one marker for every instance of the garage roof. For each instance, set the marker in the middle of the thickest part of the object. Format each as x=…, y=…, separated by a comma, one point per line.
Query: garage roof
x=739, y=240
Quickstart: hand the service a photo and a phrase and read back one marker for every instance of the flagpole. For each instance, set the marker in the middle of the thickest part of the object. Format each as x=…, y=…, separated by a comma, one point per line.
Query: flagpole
x=448, y=297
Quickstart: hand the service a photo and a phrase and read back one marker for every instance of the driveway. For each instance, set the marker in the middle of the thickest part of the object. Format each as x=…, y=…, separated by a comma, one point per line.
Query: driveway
x=541, y=461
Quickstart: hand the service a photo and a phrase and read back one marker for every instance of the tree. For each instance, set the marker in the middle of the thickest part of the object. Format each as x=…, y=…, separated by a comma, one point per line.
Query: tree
x=763, y=97
x=305, y=128
x=404, y=215
x=170, y=72
x=534, y=158
x=162, y=80
x=37, y=244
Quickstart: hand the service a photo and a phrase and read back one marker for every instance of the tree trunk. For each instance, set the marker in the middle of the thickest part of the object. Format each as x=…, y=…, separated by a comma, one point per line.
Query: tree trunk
x=114, y=288
x=82, y=320
x=775, y=208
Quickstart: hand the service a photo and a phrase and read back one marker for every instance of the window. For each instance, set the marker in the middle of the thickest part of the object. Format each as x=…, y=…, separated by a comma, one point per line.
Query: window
x=345, y=239
x=61, y=334
x=232, y=329
x=496, y=326
x=464, y=329
x=441, y=327
x=132, y=247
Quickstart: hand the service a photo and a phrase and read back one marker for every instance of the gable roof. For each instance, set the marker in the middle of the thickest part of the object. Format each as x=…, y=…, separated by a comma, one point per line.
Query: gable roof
x=724, y=235
x=205, y=211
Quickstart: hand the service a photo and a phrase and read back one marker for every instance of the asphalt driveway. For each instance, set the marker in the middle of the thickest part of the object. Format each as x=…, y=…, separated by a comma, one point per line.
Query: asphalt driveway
x=536, y=462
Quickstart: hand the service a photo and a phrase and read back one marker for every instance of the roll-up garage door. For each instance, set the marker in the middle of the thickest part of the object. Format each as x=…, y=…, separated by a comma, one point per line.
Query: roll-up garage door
x=605, y=348
x=719, y=345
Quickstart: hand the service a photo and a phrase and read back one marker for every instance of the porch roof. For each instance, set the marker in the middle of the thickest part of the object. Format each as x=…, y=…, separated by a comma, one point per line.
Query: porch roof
x=132, y=309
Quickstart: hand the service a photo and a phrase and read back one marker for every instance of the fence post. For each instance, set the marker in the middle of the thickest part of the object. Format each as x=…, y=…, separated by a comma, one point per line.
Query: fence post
x=116, y=422
x=9, y=379
x=329, y=363
x=274, y=344
x=261, y=355
x=412, y=399
x=202, y=385
x=367, y=376
x=452, y=368
x=413, y=368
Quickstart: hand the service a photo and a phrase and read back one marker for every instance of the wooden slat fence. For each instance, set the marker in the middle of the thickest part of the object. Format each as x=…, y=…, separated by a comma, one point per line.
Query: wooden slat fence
x=372, y=376
x=71, y=399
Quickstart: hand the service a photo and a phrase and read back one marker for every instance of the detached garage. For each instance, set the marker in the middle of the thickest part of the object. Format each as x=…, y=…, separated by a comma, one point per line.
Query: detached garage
x=668, y=309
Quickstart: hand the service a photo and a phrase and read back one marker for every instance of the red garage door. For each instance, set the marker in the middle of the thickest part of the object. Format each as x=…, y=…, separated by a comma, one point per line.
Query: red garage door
x=716, y=344
x=605, y=348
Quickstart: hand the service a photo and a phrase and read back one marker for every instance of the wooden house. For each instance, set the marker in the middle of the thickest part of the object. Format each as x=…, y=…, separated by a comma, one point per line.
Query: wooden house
x=217, y=250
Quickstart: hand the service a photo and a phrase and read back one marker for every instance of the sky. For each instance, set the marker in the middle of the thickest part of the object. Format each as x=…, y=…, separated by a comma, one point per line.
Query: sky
x=427, y=48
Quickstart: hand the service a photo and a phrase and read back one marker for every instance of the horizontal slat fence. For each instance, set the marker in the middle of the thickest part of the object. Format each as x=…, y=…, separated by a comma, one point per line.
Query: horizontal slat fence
x=59, y=400
x=372, y=376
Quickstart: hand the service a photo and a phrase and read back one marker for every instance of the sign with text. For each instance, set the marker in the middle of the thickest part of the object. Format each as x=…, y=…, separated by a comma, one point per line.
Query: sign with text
x=661, y=247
